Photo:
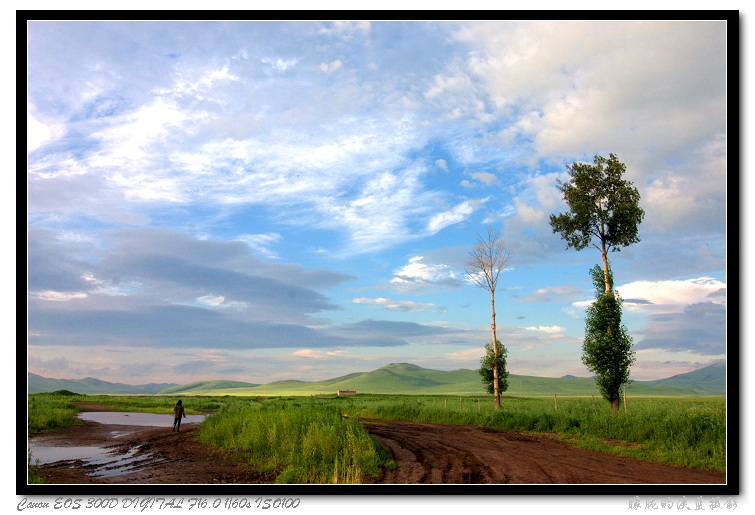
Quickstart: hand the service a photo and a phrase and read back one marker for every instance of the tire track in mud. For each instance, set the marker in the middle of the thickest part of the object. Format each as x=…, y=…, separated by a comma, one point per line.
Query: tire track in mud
x=456, y=454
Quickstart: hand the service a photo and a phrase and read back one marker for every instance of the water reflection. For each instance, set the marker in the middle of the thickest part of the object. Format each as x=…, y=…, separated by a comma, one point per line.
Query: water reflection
x=137, y=419
x=101, y=460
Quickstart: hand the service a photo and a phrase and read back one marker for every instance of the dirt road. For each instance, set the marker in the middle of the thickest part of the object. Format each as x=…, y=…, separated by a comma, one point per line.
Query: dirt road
x=425, y=453
x=430, y=453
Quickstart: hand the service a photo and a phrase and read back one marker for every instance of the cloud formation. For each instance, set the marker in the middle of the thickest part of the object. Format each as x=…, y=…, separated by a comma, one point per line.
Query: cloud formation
x=216, y=192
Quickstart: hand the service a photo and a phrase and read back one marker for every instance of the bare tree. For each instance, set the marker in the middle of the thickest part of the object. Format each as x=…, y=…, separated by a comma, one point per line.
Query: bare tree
x=487, y=259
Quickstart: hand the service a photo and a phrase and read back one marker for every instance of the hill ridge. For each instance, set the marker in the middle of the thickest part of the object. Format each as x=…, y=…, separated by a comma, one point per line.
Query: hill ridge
x=401, y=378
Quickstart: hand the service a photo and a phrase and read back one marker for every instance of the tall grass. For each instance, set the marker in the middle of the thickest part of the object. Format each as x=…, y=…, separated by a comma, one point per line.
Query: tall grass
x=296, y=442
x=32, y=471
x=52, y=411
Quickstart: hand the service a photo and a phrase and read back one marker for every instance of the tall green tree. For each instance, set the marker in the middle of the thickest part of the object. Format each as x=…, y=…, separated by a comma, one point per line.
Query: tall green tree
x=487, y=370
x=604, y=209
x=607, y=349
x=487, y=259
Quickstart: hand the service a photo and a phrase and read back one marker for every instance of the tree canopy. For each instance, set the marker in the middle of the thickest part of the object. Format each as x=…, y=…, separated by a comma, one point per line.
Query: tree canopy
x=604, y=208
x=486, y=368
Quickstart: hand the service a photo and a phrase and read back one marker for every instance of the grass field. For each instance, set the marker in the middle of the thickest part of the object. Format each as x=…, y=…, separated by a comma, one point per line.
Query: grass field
x=320, y=439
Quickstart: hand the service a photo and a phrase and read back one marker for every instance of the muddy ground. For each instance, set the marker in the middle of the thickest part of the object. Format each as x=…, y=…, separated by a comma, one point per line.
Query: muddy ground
x=425, y=453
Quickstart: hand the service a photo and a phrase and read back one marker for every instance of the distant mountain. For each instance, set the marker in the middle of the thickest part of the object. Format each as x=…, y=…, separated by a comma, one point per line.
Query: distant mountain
x=407, y=379
x=710, y=380
x=200, y=387
x=92, y=386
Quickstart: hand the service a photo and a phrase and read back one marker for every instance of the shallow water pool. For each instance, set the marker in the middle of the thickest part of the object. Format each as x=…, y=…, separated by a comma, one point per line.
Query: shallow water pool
x=101, y=460
x=137, y=419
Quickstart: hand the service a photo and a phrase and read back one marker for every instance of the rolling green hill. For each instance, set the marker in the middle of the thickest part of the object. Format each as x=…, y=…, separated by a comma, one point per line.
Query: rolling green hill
x=202, y=387
x=91, y=386
x=408, y=379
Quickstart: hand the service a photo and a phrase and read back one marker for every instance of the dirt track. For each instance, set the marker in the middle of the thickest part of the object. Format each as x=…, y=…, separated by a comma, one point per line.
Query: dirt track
x=425, y=453
x=429, y=453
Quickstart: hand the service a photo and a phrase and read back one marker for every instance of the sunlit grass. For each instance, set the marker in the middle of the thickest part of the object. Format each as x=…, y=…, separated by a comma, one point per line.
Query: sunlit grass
x=296, y=441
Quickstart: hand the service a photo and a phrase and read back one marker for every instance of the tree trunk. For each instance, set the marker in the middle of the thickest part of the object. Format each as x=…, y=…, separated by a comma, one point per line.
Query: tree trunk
x=496, y=393
x=605, y=269
x=614, y=406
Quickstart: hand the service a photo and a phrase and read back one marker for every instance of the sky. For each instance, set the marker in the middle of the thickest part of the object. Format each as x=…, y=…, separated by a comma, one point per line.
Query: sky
x=261, y=201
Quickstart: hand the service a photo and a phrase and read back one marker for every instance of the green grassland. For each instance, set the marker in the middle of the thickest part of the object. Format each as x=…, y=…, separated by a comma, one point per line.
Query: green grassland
x=320, y=438
x=302, y=432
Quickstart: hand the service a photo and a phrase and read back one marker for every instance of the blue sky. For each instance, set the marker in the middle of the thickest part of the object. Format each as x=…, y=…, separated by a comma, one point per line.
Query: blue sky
x=296, y=200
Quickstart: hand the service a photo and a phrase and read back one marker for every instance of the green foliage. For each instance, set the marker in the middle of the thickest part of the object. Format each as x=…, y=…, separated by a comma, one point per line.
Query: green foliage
x=305, y=442
x=486, y=367
x=32, y=471
x=64, y=393
x=51, y=411
x=607, y=348
x=601, y=204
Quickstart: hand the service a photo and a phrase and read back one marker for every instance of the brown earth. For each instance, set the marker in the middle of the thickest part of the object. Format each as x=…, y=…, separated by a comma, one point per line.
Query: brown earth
x=424, y=453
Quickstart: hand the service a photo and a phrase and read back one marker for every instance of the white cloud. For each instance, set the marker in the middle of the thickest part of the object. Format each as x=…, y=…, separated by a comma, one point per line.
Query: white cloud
x=486, y=178
x=376, y=217
x=261, y=242
x=211, y=300
x=692, y=194
x=671, y=296
x=665, y=297
x=537, y=199
x=405, y=306
x=38, y=132
x=552, y=68
x=441, y=163
x=198, y=82
x=342, y=27
x=331, y=67
x=58, y=296
x=279, y=63
x=310, y=353
x=418, y=275
x=546, y=329
x=457, y=214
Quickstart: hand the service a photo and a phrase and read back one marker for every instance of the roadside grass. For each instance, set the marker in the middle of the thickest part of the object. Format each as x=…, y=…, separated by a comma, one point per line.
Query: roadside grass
x=33, y=476
x=52, y=411
x=319, y=439
x=296, y=441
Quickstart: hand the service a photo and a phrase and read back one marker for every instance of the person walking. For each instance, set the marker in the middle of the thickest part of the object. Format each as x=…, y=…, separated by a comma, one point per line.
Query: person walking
x=178, y=413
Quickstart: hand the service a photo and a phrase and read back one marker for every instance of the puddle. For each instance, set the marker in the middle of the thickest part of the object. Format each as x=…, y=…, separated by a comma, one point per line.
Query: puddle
x=137, y=419
x=50, y=454
x=101, y=461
